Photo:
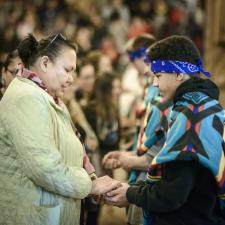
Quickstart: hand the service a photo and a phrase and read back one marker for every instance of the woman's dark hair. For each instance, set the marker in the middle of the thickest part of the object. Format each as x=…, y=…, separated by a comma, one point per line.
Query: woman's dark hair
x=12, y=55
x=142, y=41
x=176, y=47
x=30, y=49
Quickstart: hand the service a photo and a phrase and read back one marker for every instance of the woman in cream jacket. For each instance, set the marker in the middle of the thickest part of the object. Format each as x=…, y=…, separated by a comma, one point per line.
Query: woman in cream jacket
x=42, y=179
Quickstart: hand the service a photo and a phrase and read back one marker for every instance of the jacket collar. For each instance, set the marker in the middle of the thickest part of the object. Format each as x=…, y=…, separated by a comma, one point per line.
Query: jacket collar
x=196, y=84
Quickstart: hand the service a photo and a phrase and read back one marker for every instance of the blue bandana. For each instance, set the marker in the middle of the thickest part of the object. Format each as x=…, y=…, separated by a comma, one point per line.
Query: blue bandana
x=169, y=66
x=137, y=54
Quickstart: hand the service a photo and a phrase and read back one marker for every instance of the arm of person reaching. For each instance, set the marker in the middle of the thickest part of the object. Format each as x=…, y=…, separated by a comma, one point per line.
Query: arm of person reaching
x=166, y=195
x=128, y=160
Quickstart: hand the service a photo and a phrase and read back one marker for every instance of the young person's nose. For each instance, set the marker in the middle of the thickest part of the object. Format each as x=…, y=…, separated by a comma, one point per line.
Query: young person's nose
x=155, y=81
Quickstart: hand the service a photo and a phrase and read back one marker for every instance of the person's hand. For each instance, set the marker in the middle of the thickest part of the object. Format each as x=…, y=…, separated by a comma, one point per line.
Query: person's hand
x=118, y=197
x=127, y=160
x=111, y=160
x=103, y=185
x=98, y=199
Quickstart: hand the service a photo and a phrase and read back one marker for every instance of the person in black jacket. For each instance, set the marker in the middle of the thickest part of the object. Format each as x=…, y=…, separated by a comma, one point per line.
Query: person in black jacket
x=186, y=180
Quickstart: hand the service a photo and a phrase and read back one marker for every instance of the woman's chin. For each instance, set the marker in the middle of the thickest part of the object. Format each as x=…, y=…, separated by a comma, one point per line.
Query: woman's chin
x=60, y=94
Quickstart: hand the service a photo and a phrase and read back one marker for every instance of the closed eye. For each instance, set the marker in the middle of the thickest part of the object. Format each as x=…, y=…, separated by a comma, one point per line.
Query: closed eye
x=68, y=70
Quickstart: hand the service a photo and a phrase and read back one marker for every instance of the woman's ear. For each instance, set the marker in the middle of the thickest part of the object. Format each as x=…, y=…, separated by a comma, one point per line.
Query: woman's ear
x=44, y=62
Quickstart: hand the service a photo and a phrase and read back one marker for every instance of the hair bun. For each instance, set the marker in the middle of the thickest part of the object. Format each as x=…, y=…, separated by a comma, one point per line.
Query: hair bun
x=27, y=48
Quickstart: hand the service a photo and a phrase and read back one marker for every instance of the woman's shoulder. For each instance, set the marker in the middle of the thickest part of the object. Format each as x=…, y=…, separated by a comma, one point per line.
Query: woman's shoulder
x=22, y=91
x=23, y=87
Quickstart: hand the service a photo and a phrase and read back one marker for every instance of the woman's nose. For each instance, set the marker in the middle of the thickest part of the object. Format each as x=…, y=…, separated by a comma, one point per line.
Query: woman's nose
x=70, y=79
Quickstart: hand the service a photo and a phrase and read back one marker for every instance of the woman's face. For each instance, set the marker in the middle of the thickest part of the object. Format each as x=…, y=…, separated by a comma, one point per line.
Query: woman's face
x=59, y=73
x=139, y=64
x=68, y=94
x=9, y=73
x=105, y=64
x=86, y=79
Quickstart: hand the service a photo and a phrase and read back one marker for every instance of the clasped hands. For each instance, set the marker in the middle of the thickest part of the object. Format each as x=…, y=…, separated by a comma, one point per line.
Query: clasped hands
x=111, y=192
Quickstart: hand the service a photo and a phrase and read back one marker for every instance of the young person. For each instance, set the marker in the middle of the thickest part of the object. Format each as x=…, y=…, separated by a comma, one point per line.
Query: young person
x=185, y=182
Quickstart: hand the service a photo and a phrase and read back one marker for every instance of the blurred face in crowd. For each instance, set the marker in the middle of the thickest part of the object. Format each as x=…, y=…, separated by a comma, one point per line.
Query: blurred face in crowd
x=9, y=73
x=139, y=64
x=83, y=38
x=86, y=79
x=57, y=75
x=105, y=64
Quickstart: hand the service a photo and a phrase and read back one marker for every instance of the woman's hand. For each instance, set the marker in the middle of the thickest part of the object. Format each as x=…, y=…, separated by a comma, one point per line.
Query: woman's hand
x=103, y=185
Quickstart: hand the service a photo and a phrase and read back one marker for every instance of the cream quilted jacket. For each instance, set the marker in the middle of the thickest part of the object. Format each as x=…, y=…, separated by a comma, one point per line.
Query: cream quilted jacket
x=41, y=176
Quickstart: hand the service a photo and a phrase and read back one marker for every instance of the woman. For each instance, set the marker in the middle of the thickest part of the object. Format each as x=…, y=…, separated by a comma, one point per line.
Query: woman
x=103, y=113
x=42, y=178
x=86, y=76
x=79, y=119
x=84, y=95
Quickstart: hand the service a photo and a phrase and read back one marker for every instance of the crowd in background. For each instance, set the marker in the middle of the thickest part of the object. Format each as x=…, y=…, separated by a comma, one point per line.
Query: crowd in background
x=102, y=24
x=106, y=87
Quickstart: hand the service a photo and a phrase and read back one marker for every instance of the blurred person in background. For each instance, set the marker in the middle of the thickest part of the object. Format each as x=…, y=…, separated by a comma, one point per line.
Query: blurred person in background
x=152, y=120
x=89, y=95
x=101, y=62
x=108, y=47
x=28, y=23
x=118, y=26
x=44, y=171
x=100, y=27
x=9, y=41
x=103, y=112
x=138, y=26
x=91, y=208
x=9, y=69
x=86, y=76
x=84, y=95
x=83, y=36
x=134, y=81
x=116, y=5
x=78, y=117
